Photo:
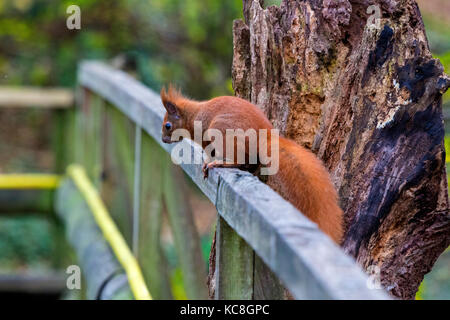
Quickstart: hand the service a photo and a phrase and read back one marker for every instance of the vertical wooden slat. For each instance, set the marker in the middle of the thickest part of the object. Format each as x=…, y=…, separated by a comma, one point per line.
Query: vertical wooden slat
x=118, y=174
x=93, y=142
x=78, y=139
x=62, y=138
x=76, y=144
x=136, y=188
x=123, y=138
x=63, y=134
x=266, y=285
x=151, y=257
x=89, y=134
x=234, y=264
x=186, y=238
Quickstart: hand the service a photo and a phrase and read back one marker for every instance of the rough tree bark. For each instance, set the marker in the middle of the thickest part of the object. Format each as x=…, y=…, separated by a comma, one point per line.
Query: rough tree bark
x=365, y=95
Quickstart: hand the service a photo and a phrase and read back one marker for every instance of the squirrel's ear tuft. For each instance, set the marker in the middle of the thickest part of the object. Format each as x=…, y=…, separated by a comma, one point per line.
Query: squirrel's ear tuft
x=164, y=95
x=169, y=99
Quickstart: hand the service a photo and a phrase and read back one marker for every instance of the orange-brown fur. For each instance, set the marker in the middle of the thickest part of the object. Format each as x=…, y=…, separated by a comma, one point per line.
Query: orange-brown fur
x=301, y=179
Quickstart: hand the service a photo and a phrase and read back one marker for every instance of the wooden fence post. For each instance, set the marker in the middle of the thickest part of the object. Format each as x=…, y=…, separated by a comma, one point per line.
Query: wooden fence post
x=266, y=285
x=234, y=265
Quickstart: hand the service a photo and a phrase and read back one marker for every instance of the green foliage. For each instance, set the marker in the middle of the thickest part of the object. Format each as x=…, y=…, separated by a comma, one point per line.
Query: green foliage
x=176, y=281
x=445, y=60
x=436, y=284
x=184, y=42
x=419, y=294
x=25, y=241
x=438, y=34
x=187, y=43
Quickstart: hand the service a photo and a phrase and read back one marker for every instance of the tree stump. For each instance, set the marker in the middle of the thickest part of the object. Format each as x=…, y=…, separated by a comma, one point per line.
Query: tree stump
x=355, y=81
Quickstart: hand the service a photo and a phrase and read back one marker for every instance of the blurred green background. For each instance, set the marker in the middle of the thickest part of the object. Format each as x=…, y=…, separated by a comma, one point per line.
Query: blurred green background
x=156, y=40
x=190, y=41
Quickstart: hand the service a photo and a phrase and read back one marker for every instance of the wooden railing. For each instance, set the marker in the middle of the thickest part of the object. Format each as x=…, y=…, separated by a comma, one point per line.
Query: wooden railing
x=256, y=228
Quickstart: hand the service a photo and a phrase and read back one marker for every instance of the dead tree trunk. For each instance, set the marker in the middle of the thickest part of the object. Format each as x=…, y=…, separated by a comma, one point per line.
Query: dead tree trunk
x=365, y=95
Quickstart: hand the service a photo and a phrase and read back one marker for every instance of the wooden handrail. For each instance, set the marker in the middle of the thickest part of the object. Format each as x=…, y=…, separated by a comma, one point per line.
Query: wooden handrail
x=309, y=264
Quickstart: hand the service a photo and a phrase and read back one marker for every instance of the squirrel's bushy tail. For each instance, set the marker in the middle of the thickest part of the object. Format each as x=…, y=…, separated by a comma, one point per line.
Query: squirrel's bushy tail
x=303, y=180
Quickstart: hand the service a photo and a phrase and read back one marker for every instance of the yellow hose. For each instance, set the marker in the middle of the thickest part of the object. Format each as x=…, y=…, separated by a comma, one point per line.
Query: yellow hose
x=110, y=231
x=29, y=181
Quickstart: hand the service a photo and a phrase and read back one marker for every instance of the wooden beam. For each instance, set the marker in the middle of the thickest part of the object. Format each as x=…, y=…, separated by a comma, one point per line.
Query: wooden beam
x=234, y=265
x=24, y=97
x=309, y=264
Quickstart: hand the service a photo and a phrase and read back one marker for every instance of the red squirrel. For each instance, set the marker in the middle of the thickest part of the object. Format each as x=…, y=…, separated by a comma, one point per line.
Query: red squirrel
x=301, y=177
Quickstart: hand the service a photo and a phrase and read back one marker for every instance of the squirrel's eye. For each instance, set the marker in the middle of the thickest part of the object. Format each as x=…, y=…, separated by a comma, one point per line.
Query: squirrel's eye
x=168, y=125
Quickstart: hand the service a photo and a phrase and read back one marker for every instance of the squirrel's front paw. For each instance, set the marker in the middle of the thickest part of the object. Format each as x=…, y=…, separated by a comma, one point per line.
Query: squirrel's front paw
x=205, y=170
x=207, y=166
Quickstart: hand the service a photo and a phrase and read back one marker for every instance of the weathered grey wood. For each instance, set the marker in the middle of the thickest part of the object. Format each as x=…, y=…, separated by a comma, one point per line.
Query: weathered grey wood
x=35, y=97
x=234, y=265
x=308, y=262
x=266, y=285
x=102, y=271
x=187, y=241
